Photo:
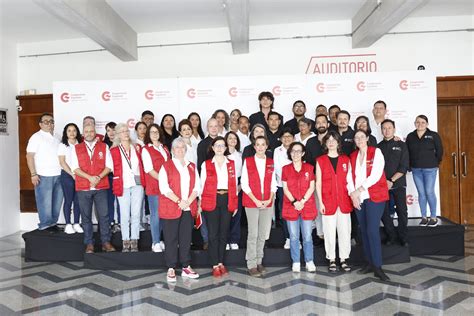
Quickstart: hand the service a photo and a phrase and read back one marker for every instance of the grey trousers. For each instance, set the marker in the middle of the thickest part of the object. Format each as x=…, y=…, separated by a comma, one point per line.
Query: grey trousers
x=259, y=226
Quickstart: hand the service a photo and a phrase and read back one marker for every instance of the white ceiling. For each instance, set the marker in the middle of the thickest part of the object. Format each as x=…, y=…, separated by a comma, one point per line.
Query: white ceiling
x=25, y=21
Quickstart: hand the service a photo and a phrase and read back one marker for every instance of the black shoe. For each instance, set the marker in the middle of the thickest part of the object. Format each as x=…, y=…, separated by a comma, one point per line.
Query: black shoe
x=432, y=222
x=390, y=242
x=378, y=272
x=424, y=222
x=53, y=229
x=366, y=269
x=404, y=243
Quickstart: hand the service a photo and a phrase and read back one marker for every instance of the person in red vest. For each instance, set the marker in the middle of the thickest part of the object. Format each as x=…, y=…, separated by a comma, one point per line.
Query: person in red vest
x=154, y=155
x=259, y=185
x=218, y=201
x=90, y=120
x=179, y=188
x=128, y=182
x=332, y=172
x=299, y=205
x=369, y=192
x=91, y=163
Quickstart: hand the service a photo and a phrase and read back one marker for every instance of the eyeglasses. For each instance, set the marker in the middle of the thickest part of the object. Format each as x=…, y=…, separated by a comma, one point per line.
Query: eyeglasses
x=219, y=146
x=296, y=152
x=48, y=122
x=287, y=136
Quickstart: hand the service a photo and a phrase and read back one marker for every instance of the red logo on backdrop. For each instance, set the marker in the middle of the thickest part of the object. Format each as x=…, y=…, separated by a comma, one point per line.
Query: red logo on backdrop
x=106, y=95
x=361, y=86
x=191, y=93
x=403, y=85
x=233, y=92
x=276, y=90
x=65, y=97
x=149, y=94
x=320, y=87
x=410, y=199
x=131, y=123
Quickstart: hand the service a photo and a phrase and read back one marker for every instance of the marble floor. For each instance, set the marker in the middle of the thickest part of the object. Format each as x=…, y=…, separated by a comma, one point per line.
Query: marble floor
x=428, y=285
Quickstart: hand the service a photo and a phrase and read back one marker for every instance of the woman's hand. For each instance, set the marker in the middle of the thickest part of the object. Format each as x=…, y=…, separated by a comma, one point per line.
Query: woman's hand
x=322, y=208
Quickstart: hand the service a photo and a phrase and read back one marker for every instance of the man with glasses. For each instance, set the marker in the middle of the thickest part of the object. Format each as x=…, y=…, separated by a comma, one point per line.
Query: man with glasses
x=43, y=163
x=299, y=110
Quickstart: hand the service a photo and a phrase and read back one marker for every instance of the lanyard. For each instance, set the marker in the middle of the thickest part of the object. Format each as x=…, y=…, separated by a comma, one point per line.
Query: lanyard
x=91, y=151
x=128, y=158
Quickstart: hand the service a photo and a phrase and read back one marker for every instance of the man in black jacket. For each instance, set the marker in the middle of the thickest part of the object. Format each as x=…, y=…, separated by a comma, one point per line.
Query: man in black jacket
x=203, y=147
x=299, y=110
x=345, y=131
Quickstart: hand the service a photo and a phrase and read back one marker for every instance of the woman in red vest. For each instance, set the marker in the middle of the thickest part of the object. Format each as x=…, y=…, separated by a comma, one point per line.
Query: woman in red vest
x=154, y=155
x=179, y=187
x=299, y=205
x=218, y=201
x=128, y=183
x=332, y=172
x=369, y=192
x=259, y=185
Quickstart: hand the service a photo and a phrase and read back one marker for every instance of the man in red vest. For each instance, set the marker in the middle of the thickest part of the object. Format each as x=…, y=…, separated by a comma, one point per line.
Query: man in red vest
x=91, y=163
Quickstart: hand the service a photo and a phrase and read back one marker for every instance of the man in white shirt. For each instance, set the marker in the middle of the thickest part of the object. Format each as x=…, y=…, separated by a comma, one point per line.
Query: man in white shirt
x=43, y=163
x=243, y=132
x=379, y=112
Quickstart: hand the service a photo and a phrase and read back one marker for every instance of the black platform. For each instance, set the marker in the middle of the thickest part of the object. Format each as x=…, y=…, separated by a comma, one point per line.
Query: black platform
x=445, y=239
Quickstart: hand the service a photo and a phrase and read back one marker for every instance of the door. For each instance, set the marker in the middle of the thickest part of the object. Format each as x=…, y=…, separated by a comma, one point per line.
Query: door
x=466, y=162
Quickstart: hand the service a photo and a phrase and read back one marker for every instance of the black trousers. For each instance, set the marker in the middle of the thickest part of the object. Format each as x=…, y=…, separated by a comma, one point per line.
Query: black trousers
x=177, y=236
x=218, y=223
x=399, y=196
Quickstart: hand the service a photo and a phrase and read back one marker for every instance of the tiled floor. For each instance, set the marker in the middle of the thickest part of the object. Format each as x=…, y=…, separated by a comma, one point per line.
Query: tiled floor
x=425, y=286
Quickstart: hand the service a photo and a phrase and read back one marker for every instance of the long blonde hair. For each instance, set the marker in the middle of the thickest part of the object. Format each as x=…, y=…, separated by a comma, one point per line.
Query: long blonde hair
x=118, y=128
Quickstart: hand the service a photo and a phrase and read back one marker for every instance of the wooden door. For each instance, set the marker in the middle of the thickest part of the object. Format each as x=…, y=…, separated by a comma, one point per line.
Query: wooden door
x=449, y=176
x=31, y=109
x=466, y=162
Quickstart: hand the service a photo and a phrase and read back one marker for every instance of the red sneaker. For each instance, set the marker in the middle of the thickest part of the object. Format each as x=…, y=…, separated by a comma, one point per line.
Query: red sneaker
x=216, y=272
x=223, y=269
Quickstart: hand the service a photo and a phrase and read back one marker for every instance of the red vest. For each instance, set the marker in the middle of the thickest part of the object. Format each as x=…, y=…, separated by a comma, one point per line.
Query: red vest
x=117, y=183
x=298, y=184
x=379, y=191
x=334, y=184
x=209, y=192
x=254, y=182
x=157, y=159
x=92, y=166
x=167, y=208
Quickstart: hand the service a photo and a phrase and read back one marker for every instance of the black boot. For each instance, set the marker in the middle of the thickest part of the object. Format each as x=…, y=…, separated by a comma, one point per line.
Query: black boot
x=365, y=269
x=378, y=272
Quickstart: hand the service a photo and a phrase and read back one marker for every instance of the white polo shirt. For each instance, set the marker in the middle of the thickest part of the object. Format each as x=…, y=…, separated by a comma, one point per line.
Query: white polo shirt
x=45, y=147
x=66, y=151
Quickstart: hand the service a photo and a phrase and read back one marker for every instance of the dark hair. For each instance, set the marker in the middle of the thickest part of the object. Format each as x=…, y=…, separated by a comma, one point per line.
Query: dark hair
x=334, y=135
x=321, y=115
x=199, y=128
x=236, y=110
x=273, y=113
x=299, y=101
x=106, y=137
x=305, y=120
x=185, y=122
x=138, y=124
x=147, y=135
x=88, y=117
x=321, y=105
x=343, y=112
x=261, y=137
x=245, y=117
x=364, y=132
x=64, y=139
x=147, y=112
x=43, y=115
x=251, y=138
x=383, y=102
x=363, y=117
x=290, y=148
x=387, y=121
x=174, y=132
x=211, y=152
x=334, y=107
x=267, y=94
x=237, y=147
x=226, y=116
x=423, y=117
x=286, y=130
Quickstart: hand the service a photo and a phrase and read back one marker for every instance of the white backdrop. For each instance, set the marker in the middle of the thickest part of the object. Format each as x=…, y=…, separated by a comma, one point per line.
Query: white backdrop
x=407, y=94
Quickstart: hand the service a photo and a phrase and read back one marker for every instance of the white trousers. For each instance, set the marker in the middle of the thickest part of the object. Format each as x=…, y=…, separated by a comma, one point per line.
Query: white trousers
x=340, y=223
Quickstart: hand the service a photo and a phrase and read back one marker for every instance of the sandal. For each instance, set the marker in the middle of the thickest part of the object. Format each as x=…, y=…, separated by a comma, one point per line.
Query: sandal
x=345, y=267
x=332, y=267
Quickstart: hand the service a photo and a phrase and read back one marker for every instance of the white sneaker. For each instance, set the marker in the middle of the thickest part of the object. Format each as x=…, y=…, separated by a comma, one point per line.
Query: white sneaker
x=162, y=245
x=156, y=248
x=296, y=267
x=171, y=275
x=287, y=244
x=78, y=228
x=227, y=247
x=69, y=230
x=234, y=246
x=310, y=267
x=189, y=273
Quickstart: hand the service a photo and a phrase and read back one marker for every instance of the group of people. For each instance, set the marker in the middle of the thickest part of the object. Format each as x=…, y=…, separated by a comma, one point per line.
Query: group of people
x=301, y=173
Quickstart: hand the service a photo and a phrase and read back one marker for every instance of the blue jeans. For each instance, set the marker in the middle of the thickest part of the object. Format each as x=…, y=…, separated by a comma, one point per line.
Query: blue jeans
x=369, y=217
x=204, y=231
x=69, y=190
x=306, y=231
x=49, y=197
x=99, y=199
x=425, y=179
x=280, y=210
x=111, y=198
x=131, y=203
x=156, y=226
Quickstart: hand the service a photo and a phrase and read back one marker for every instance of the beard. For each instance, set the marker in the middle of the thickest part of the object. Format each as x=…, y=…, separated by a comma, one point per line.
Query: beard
x=322, y=129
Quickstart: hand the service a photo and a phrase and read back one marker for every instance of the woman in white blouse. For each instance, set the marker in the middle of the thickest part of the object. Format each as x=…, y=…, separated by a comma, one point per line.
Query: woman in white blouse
x=71, y=137
x=304, y=125
x=185, y=130
x=369, y=192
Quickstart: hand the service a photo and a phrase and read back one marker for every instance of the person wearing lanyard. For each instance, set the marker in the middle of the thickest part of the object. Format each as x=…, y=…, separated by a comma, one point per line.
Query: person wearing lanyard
x=299, y=206
x=91, y=163
x=128, y=183
x=154, y=155
x=218, y=201
x=259, y=186
x=369, y=193
x=179, y=188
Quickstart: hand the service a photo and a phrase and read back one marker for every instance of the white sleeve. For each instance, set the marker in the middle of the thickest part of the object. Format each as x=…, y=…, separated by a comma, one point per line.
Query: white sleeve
x=197, y=183
x=146, y=159
x=273, y=187
x=108, y=159
x=377, y=170
x=62, y=149
x=74, y=162
x=350, y=181
x=33, y=144
x=278, y=166
x=244, y=180
x=163, y=180
x=203, y=176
